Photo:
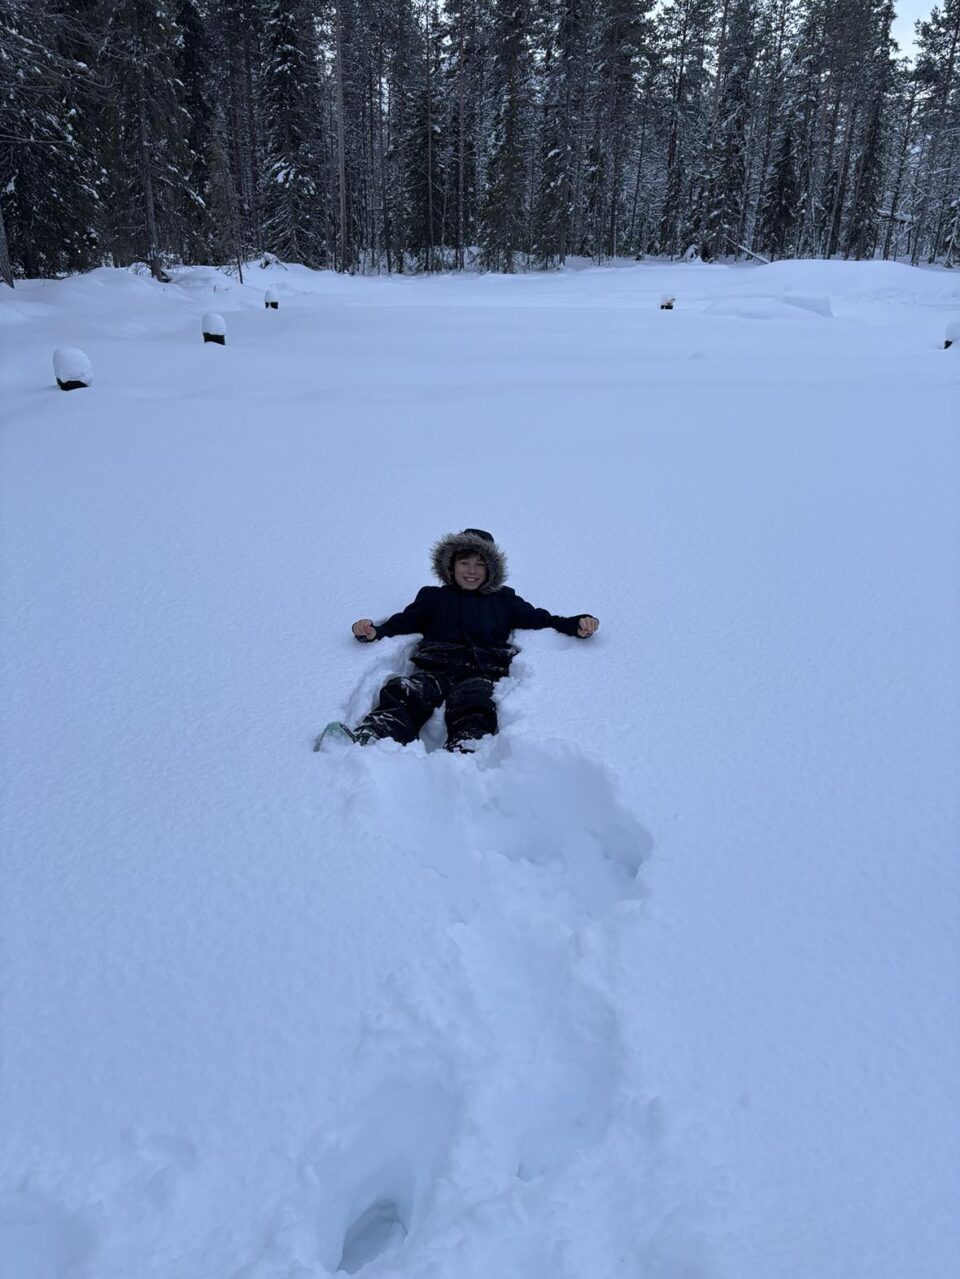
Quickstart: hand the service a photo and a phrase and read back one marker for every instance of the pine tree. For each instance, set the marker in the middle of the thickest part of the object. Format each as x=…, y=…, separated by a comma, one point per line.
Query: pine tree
x=405, y=134
x=686, y=28
x=781, y=203
x=193, y=71
x=862, y=216
x=622, y=35
x=938, y=72
x=858, y=34
x=467, y=72
x=561, y=131
x=48, y=176
x=147, y=156
x=863, y=223
x=424, y=146
x=293, y=224
x=774, y=103
x=809, y=85
x=726, y=186
x=236, y=30
x=504, y=212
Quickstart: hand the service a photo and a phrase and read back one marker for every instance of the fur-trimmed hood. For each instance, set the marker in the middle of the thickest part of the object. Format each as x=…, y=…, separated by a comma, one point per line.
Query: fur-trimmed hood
x=471, y=539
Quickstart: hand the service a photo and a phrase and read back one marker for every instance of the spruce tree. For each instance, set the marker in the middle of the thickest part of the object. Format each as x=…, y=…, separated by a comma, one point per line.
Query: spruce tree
x=236, y=29
x=780, y=210
x=622, y=37
x=193, y=70
x=685, y=30
x=293, y=227
x=146, y=154
x=938, y=73
x=48, y=171
x=561, y=131
x=726, y=185
x=504, y=211
x=863, y=222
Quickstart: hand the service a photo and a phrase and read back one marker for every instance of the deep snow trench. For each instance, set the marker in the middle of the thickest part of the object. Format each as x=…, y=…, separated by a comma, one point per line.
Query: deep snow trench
x=494, y=1061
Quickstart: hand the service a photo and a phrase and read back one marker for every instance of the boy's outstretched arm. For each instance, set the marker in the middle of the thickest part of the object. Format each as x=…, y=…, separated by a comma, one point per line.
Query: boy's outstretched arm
x=410, y=621
x=528, y=618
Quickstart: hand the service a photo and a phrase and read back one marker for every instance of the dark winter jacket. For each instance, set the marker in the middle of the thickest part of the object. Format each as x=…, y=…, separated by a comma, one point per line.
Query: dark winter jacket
x=470, y=630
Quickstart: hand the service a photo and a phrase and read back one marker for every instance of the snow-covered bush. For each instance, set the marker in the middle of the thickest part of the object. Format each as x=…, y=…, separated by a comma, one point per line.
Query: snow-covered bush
x=214, y=328
x=144, y=271
x=692, y=254
x=72, y=368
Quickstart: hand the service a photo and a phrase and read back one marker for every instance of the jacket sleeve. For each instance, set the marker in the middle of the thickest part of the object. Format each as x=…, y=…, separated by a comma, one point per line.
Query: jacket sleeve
x=528, y=618
x=410, y=621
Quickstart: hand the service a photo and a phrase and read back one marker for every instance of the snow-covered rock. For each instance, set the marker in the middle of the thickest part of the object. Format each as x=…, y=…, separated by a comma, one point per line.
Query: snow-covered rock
x=667, y=301
x=271, y=297
x=952, y=333
x=72, y=368
x=214, y=327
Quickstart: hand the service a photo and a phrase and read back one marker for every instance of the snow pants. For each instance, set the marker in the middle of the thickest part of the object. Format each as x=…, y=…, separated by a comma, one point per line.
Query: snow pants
x=406, y=702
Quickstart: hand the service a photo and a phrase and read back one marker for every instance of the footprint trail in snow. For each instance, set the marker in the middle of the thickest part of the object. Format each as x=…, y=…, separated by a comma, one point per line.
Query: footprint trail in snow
x=491, y=1080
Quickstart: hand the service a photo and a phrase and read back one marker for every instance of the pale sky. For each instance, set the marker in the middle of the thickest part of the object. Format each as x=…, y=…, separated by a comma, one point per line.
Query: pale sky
x=908, y=11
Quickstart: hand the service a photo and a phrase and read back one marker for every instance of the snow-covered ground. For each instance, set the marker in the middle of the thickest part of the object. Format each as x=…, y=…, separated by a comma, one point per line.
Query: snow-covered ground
x=662, y=983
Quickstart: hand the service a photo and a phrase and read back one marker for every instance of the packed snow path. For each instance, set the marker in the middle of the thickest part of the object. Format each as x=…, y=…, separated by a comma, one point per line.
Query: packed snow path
x=662, y=982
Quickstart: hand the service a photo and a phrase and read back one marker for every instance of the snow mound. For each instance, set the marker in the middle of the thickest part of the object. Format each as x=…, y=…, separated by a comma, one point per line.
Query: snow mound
x=862, y=282
x=755, y=308
x=816, y=304
x=202, y=283
x=17, y=309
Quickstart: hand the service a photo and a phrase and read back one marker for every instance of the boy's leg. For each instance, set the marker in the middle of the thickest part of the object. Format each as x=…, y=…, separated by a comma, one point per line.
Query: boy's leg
x=405, y=704
x=470, y=711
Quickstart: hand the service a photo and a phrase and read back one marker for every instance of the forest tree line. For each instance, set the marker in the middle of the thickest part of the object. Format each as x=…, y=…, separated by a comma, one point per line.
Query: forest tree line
x=412, y=135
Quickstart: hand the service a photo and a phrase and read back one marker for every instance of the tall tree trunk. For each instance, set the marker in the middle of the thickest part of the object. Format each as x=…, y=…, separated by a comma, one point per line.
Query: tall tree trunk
x=429, y=49
x=939, y=230
x=341, y=148
x=824, y=228
x=901, y=166
x=935, y=148
x=6, y=272
x=253, y=157
x=636, y=188
x=143, y=147
x=840, y=193
x=461, y=150
x=384, y=202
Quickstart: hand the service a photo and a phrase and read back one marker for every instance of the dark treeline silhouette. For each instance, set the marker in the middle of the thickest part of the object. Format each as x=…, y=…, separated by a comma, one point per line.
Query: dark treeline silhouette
x=408, y=135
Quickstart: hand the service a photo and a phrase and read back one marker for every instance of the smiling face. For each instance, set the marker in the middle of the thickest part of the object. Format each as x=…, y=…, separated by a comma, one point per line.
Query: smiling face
x=469, y=571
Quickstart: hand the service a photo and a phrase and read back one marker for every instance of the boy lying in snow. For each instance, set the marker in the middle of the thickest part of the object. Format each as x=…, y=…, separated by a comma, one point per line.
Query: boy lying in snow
x=466, y=625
